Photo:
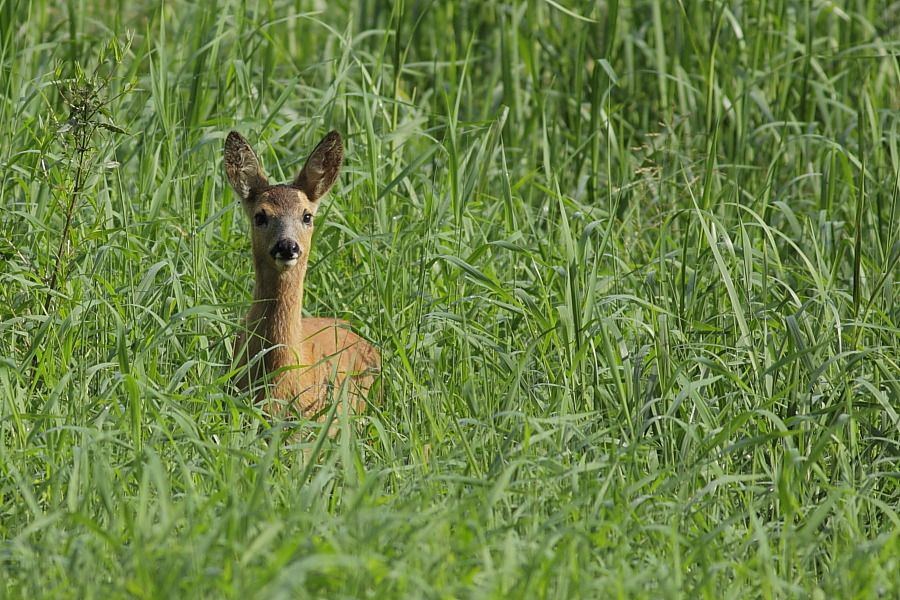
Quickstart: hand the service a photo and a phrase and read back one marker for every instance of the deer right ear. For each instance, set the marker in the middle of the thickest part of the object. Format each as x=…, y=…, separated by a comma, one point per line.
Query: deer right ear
x=242, y=167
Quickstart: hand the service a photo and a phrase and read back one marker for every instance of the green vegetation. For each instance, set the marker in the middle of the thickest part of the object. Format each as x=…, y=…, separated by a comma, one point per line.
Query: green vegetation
x=633, y=268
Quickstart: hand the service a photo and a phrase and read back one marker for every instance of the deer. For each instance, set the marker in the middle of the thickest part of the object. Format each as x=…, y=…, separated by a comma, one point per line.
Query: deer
x=293, y=364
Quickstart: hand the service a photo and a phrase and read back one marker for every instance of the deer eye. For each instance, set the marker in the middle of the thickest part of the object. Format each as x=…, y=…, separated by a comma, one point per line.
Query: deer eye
x=260, y=219
x=307, y=218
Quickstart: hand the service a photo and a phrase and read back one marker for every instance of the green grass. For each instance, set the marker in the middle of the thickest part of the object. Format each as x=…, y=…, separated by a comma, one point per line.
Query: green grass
x=632, y=267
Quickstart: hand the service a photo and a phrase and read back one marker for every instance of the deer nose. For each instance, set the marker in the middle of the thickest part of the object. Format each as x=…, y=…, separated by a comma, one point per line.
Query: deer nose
x=285, y=249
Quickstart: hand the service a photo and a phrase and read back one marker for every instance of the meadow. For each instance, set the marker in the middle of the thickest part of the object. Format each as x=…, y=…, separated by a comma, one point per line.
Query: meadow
x=632, y=267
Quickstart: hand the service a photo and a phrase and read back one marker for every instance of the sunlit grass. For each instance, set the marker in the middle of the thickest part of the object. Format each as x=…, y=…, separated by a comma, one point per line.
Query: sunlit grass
x=631, y=266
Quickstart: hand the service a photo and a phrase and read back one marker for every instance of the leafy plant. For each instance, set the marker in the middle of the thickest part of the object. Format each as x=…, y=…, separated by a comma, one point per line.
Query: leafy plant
x=86, y=100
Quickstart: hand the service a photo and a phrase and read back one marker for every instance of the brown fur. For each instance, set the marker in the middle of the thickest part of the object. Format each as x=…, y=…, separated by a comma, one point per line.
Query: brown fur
x=307, y=362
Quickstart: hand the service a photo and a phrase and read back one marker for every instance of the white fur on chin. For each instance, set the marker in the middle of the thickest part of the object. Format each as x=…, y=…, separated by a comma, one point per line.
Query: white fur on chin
x=284, y=265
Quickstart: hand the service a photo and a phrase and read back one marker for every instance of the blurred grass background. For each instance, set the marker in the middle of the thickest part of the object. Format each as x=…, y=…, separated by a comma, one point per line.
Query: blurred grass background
x=632, y=267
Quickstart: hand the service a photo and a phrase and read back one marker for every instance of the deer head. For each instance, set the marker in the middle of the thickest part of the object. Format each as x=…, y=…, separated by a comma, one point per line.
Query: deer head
x=281, y=215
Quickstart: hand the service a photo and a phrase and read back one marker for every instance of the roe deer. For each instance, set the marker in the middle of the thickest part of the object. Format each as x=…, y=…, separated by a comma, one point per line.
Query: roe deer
x=305, y=358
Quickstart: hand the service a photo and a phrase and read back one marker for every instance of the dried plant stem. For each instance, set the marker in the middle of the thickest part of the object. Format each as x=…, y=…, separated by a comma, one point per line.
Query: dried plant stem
x=77, y=185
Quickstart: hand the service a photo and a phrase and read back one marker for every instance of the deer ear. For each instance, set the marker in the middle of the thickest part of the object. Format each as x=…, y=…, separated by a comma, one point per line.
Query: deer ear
x=242, y=167
x=321, y=168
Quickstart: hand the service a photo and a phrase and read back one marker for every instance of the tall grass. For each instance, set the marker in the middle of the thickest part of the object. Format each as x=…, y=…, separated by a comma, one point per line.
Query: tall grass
x=632, y=267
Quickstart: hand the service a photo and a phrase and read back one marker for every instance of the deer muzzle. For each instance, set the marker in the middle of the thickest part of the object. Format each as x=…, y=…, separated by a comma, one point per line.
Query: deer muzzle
x=286, y=253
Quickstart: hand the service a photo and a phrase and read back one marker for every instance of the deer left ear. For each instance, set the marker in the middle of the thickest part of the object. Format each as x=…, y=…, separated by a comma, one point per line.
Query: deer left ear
x=242, y=167
x=322, y=167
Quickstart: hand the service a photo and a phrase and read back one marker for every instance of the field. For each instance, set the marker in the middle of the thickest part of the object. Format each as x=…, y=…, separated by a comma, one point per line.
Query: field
x=632, y=268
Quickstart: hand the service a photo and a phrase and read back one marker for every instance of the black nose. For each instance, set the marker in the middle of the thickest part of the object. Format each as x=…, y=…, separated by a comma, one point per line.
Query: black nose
x=286, y=250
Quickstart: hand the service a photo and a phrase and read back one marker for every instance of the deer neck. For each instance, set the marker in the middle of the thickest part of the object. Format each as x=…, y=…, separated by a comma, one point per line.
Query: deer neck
x=278, y=305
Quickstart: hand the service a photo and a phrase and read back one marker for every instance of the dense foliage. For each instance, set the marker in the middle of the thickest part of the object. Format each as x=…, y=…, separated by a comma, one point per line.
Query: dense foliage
x=632, y=266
